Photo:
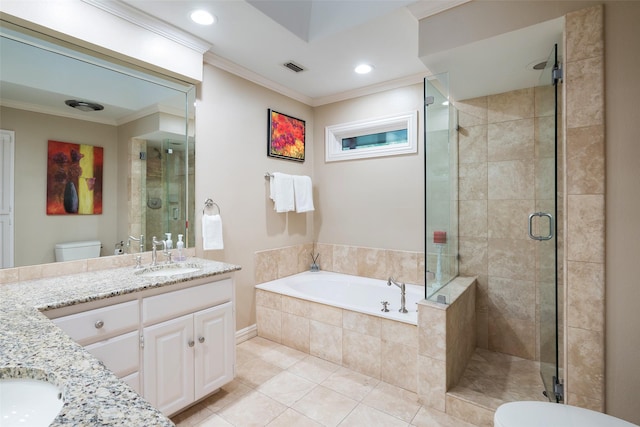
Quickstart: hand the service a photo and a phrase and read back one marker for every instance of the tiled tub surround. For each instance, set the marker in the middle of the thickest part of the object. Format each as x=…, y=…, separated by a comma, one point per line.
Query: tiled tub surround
x=29, y=342
x=427, y=358
x=375, y=263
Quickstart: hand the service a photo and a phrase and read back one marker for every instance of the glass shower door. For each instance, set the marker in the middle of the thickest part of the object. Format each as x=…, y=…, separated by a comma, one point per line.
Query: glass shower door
x=544, y=225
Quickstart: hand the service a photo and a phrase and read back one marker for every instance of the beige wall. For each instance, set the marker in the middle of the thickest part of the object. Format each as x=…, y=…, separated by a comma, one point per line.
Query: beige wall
x=231, y=160
x=378, y=202
x=622, y=62
x=36, y=233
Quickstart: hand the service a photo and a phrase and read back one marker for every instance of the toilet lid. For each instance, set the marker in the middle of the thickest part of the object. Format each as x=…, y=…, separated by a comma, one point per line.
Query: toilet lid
x=546, y=414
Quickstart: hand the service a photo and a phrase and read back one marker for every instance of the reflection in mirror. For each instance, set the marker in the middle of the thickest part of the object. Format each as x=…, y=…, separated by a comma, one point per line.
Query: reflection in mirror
x=145, y=128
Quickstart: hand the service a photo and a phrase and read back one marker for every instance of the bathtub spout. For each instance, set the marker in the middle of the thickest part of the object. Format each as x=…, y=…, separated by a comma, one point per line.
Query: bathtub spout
x=403, y=299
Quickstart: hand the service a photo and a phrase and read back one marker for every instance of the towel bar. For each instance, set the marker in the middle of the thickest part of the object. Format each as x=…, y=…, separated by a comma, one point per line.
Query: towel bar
x=209, y=204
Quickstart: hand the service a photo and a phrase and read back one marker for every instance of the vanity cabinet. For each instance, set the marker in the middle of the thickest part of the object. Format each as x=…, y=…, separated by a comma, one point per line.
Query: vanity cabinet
x=173, y=347
x=187, y=356
x=111, y=335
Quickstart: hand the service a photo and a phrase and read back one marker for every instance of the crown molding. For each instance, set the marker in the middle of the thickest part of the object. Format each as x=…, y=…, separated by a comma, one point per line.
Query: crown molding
x=372, y=89
x=424, y=9
x=141, y=19
x=233, y=68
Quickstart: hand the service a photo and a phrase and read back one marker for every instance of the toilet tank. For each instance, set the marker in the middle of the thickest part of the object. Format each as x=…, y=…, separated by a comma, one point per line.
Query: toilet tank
x=70, y=251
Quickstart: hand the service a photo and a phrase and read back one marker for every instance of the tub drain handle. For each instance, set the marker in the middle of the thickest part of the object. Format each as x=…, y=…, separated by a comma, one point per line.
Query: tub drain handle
x=384, y=306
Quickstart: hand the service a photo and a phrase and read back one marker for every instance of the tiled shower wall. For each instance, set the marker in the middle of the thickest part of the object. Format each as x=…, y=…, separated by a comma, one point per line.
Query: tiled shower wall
x=497, y=153
x=500, y=150
x=585, y=198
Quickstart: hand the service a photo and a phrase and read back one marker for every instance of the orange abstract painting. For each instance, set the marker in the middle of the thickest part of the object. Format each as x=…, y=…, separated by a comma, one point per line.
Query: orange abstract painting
x=286, y=137
x=74, y=179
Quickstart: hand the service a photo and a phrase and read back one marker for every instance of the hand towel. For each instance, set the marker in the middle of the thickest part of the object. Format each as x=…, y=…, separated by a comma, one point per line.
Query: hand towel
x=281, y=188
x=303, y=191
x=212, y=232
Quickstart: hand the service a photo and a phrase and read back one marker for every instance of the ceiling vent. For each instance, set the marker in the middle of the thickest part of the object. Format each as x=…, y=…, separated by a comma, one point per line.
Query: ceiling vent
x=294, y=67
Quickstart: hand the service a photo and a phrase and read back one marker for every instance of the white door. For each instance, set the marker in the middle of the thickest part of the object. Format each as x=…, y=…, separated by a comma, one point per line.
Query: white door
x=168, y=364
x=7, y=145
x=215, y=348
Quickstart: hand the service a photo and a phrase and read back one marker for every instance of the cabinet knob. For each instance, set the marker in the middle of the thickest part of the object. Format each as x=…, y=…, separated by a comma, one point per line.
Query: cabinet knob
x=201, y=340
x=99, y=324
x=191, y=343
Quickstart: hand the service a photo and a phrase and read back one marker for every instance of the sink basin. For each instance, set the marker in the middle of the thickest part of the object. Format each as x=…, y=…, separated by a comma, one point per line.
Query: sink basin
x=169, y=270
x=25, y=401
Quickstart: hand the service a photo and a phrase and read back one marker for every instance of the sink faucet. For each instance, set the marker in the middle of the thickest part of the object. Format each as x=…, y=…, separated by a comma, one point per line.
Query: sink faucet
x=136, y=239
x=403, y=300
x=154, y=253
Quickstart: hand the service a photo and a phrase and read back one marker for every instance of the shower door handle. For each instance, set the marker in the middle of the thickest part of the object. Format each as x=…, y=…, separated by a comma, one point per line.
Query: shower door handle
x=545, y=214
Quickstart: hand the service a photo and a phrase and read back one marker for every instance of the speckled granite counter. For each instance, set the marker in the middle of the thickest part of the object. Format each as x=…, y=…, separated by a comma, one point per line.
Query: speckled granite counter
x=31, y=345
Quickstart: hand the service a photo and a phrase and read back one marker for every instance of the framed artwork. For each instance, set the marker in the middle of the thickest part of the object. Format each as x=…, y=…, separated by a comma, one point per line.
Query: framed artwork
x=74, y=179
x=286, y=137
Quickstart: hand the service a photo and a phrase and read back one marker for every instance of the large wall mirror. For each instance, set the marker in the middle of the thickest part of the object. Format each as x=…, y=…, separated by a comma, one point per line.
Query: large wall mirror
x=146, y=129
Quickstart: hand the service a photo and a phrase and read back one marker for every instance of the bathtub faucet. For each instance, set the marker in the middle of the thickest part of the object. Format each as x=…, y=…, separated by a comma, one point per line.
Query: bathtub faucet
x=403, y=299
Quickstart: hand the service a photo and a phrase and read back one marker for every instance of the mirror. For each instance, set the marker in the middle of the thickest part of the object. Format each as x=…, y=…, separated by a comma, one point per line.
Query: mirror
x=146, y=130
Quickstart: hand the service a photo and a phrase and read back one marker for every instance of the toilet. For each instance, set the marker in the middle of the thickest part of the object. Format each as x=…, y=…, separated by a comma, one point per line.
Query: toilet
x=77, y=250
x=547, y=414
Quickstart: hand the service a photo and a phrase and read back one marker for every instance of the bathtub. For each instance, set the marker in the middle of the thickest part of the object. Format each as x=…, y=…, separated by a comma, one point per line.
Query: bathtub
x=349, y=292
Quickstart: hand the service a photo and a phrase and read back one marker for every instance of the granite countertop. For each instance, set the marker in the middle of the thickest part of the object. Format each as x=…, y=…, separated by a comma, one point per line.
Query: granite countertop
x=32, y=346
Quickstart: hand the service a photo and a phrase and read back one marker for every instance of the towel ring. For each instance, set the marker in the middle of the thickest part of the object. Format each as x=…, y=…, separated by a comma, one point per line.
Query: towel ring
x=209, y=204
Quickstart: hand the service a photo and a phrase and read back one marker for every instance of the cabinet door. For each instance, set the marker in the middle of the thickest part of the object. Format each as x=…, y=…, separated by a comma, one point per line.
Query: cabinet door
x=215, y=348
x=168, y=364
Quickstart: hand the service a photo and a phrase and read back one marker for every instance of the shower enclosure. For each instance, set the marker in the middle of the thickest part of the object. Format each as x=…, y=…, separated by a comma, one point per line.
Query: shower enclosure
x=441, y=185
x=545, y=224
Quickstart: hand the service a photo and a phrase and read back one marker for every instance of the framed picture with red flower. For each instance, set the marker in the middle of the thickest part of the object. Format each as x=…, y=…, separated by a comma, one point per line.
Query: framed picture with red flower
x=286, y=137
x=74, y=179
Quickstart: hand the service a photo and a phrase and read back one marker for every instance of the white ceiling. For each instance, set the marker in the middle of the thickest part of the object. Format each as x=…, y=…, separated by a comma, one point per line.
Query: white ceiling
x=328, y=38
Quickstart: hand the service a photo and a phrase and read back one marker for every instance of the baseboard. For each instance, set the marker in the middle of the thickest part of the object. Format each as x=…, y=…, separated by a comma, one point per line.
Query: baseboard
x=246, y=334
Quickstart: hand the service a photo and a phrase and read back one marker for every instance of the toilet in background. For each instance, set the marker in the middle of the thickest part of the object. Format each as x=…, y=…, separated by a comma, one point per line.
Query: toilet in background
x=77, y=250
x=547, y=414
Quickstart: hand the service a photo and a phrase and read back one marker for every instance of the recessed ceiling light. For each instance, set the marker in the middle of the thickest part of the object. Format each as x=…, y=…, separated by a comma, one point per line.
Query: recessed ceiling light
x=202, y=17
x=363, y=69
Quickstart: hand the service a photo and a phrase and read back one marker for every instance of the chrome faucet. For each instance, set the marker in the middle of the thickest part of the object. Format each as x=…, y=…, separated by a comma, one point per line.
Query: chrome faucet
x=154, y=253
x=403, y=299
x=136, y=239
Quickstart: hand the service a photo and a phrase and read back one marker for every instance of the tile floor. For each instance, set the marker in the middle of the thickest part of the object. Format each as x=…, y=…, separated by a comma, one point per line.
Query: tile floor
x=279, y=386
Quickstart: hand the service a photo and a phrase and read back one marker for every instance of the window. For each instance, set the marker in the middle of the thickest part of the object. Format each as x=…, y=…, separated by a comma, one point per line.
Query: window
x=385, y=136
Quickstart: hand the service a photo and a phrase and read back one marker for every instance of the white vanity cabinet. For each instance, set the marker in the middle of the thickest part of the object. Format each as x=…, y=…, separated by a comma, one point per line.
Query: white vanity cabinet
x=173, y=345
x=111, y=335
x=189, y=344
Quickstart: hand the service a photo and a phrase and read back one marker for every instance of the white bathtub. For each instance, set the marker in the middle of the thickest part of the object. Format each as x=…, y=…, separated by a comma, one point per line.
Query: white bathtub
x=348, y=292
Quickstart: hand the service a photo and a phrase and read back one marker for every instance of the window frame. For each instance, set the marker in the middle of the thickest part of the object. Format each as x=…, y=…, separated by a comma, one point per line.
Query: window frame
x=335, y=133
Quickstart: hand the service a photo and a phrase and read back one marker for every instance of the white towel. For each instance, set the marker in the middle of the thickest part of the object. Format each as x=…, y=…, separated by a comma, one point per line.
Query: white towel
x=303, y=190
x=212, y=232
x=281, y=188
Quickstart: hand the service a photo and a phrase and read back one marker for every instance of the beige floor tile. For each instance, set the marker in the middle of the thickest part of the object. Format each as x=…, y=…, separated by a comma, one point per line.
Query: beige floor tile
x=228, y=394
x=257, y=345
x=214, y=421
x=394, y=401
x=192, y=416
x=350, y=383
x=429, y=417
x=256, y=371
x=282, y=356
x=314, y=369
x=364, y=416
x=291, y=418
x=286, y=388
x=325, y=406
x=254, y=409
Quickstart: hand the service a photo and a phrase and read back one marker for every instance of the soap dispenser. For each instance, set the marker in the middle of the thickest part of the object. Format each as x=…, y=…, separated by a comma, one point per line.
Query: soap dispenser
x=180, y=247
x=168, y=241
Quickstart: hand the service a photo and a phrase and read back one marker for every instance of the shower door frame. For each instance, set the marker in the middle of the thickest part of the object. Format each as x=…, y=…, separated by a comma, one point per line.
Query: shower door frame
x=548, y=242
